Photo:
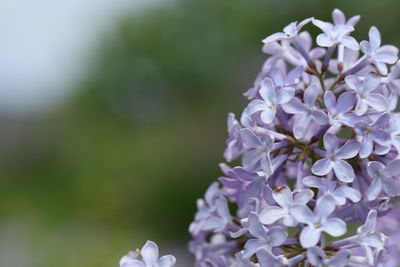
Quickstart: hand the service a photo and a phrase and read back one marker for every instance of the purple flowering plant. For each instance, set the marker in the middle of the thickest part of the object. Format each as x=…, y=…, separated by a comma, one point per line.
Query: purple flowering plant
x=313, y=172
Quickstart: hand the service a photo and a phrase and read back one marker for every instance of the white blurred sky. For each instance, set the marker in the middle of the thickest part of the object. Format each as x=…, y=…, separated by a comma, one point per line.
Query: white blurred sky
x=45, y=47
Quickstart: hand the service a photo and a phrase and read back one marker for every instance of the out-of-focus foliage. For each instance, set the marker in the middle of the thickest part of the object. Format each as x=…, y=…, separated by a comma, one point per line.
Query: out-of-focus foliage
x=126, y=159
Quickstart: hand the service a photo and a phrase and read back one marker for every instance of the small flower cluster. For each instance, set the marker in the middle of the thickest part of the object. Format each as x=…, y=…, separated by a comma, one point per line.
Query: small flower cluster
x=314, y=167
x=314, y=157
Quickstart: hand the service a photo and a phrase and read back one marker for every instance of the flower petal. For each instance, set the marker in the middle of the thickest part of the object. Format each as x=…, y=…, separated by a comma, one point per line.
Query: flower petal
x=302, y=214
x=268, y=115
x=377, y=102
x=335, y=227
x=322, y=167
x=348, y=150
x=309, y=236
x=272, y=214
x=284, y=95
x=249, y=138
x=167, y=261
x=343, y=171
x=294, y=106
x=325, y=206
x=374, y=189
x=346, y=102
x=283, y=197
x=350, y=42
x=267, y=91
x=149, y=253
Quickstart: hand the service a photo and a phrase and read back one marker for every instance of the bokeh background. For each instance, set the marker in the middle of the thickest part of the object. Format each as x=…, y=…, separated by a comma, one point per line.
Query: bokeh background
x=112, y=115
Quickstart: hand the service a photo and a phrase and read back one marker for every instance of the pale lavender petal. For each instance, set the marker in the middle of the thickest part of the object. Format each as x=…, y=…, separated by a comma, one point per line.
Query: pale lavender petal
x=149, y=253
x=377, y=102
x=256, y=105
x=330, y=101
x=324, y=40
x=132, y=263
x=331, y=142
x=322, y=167
x=284, y=95
x=324, y=26
x=320, y=117
x=374, y=37
x=353, y=20
x=348, y=150
x=325, y=206
x=350, y=43
x=374, y=168
x=346, y=102
x=371, y=82
x=252, y=246
x=251, y=158
x=301, y=126
x=294, y=106
x=290, y=29
x=316, y=256
x=302, y=214
x=272, y=214
x=267, y=91
x=349, y=193
x=277, y=235
x=361, y=107
x=294, y=74
x=353, y=82
x=309, y=236
x=310, y=95
x=343, y=171
x=335, y=227
x=268, y=115
x=386, y=57
x=255, y=227
x=382, y=68
x=249, y=138
x=167, y=261
x=274, y=37
x=338, y=18
x=391, y=186
x=393, y=168
x=341, y=259
x=304, y=196
x=283, y=197
x=266, y=164
x=366, y=148
x=374, y=189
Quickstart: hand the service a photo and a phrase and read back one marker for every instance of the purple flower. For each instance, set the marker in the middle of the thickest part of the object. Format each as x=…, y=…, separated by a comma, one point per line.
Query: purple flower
x=374, y=133
x=234, y=144
x=307, y=112
x=339, y=193
x=383, y=179
x=377, y=54
x=289, y=32
x=264, y=238
x=334, y=159
x=364, y=96
x=368, y=237
x=259, y=150
x=335, y=34
x=317, y=257
x=284, y=198
x=149, y=254
x=340, y=19
x=267, y=105
x=338, y=111
x=318, y=221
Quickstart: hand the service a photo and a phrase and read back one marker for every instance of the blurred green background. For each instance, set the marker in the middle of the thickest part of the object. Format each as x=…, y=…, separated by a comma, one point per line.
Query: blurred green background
x=125, y=158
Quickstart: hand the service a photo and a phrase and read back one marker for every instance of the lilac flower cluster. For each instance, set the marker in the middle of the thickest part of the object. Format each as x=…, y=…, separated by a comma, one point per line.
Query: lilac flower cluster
x=314, y=166
x=314, y=159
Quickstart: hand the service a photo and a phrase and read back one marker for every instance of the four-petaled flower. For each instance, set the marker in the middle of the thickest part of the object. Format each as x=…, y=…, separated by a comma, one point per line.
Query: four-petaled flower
x=377, y=54
x=335, y=34
x=268, y=104
x=149, y=254
x=264, y=238
x=289, y=32
x=307, y=112
x=318, y=221
x=259, y=150
x=334, y=158
x=284, y=198
x=364, y=96
x=338, y=112
x=318, y=258
x=383, y=179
